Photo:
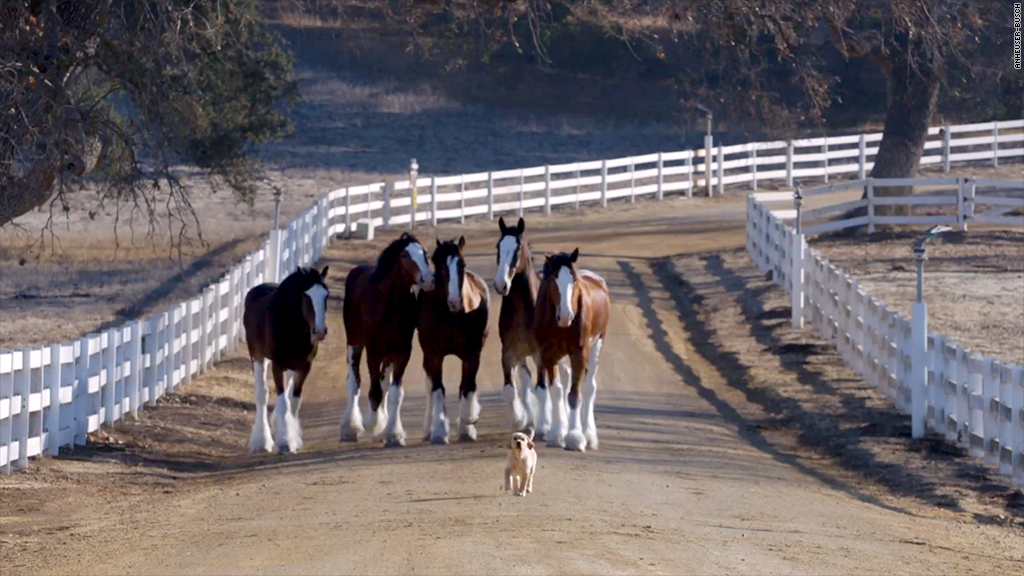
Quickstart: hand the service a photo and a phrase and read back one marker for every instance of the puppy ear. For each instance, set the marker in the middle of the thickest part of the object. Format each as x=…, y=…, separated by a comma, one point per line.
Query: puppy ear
x=509, y=443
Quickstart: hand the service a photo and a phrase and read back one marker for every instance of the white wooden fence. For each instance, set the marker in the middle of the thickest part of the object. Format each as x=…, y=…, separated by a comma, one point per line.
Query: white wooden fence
x=975, y=401
x=53, y=396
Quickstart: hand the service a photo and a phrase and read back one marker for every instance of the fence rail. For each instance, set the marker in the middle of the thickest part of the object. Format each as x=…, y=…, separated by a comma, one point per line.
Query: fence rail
x=974, y=401
x=53, y=396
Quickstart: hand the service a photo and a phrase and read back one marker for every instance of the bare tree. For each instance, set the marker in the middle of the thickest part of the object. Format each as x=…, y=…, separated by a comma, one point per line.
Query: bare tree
x=118, y=93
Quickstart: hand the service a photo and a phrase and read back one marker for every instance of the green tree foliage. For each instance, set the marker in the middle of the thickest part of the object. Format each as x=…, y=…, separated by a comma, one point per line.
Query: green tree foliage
x=119, y=93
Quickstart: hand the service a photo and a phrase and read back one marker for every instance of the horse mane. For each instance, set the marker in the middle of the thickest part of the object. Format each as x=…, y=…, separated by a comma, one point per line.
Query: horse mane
x=389, y=256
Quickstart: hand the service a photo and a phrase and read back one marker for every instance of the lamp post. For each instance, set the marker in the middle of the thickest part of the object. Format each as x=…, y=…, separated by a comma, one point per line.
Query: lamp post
x=277, y=207
x=919, y=339
x=708, y=144
x=920, y=256
x=414, y=170
x=798, y=201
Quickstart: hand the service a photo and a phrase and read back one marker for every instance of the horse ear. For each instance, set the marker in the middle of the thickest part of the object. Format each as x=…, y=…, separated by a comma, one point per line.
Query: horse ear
x=501, y=226
x=323, y=273
x=462, y=242
x=575, y=254
x=521, y=226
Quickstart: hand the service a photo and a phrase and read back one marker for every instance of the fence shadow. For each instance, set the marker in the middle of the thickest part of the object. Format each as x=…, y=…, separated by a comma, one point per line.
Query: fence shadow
x=841, y=436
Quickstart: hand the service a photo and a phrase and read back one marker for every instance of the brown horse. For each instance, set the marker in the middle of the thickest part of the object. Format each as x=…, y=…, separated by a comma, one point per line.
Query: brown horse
x=518, y=282
x=284, y=325
x=380, y=313
x=453, y=320
x=573, y=308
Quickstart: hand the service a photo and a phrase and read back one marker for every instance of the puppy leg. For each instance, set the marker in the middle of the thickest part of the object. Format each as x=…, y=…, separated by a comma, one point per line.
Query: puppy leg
x=508, y=478
x=529, y=479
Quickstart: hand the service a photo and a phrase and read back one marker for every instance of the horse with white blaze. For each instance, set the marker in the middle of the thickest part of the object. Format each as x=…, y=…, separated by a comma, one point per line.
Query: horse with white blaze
x=573, y=309
x=517, y=282
x=284, y=325
x=452, y=321
x=381, y=311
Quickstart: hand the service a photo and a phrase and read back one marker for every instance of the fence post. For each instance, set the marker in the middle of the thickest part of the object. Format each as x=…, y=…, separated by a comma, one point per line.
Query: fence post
x=80, y=393
x=995, y=141
x=632, y=182
x=186, y=350
x=389, y=188
x=348, y=217
x=871, y=205
x=961, y=221
x=990, y=423
x=110, y=363
x=660, y=194
x=862, y=157
x=796, y=275
x=789, y=163
x=576, y=205
x=53, y=378
x=138, y=368
x=413, y=204
x=689, y=174
x=709, y=154
x=1017, y=406
x=490, y=196
x=918, y=368
x=945, y=148
x=522, y=195
x=547, y=189
x=604, y=183
x=721, y=170
x=824, y=162
x=274, y=258
x=753, y=167
x=433, y=201
x=19, y=423
x=462, y=199
x=1006, y=418
x=975, y=376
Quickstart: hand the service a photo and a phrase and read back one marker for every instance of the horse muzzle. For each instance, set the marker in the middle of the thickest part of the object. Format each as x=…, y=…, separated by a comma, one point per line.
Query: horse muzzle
x=454, y=307
x=565, y=321
x=501, y=289
x=318, y=336
x=427, y=285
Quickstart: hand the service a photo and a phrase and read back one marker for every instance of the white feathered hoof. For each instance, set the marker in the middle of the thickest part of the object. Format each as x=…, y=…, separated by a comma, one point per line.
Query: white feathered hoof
x=376, y=422
x=467, y=433
x=575, y=441
x=351, y=429
x=591, y=436
x=439, y=431
x=438, y=439
x=395, y=441
x=261, y=440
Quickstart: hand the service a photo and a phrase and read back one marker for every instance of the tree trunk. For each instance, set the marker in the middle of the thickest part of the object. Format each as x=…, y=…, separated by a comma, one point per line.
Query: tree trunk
x=912, y=69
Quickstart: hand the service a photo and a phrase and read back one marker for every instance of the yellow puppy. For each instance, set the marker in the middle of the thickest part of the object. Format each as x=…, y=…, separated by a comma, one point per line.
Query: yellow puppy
x=520, y=464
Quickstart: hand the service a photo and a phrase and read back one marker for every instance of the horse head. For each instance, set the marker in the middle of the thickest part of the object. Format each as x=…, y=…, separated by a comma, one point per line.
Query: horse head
x=510, y=255
x=562, y=279
x=451, y=271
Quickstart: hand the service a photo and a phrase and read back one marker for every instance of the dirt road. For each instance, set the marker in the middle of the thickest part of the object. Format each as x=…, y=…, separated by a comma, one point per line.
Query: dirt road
x=689, y=478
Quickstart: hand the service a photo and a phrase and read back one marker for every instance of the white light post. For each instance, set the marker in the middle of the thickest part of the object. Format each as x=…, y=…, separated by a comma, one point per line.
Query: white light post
x=919, y=339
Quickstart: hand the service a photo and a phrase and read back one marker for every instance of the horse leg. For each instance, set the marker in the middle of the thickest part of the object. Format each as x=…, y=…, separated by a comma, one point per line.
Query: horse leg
x=352, y=421
x=378, y=411
x=469, y=406
x=432, y=364
x=428, y=410
x=293, y=392
x=261, y=437
x=528, y=394
x=395, y=432
x=285, y=426
x=542, y=413
x=574, y=439
x=590, y=394
x=516, y=417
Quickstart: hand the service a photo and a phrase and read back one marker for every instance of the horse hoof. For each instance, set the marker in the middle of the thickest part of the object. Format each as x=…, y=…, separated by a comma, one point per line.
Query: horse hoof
x=555, y=441
x=394, y=443
x=438, y=440
x=575, y=441
x=349, y=435
x=467, y=437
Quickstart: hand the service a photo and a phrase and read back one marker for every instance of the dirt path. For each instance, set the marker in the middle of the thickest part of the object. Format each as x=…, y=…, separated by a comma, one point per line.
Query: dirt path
x=697, y=473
